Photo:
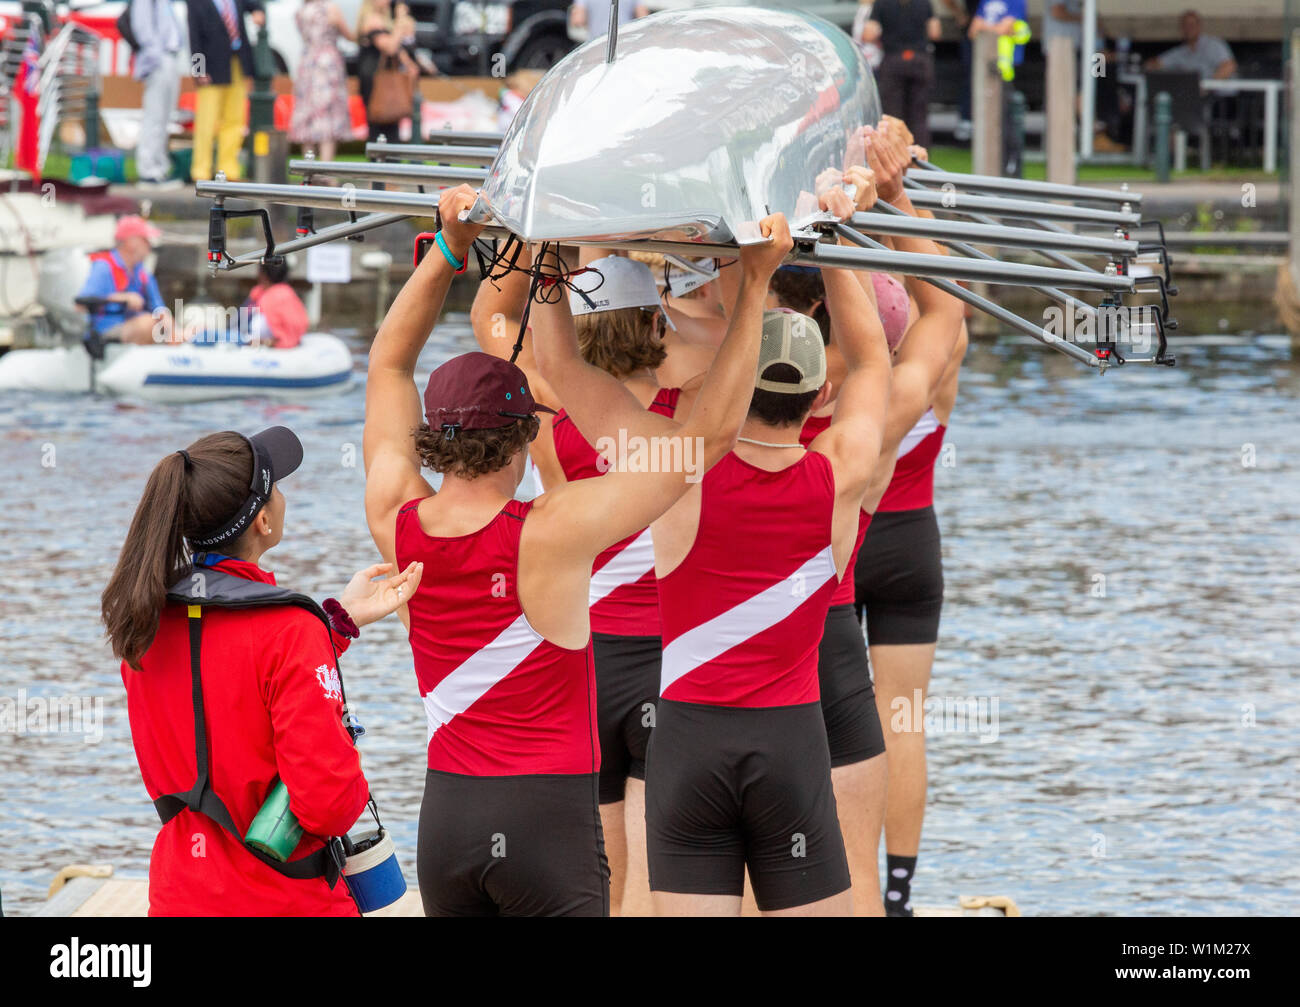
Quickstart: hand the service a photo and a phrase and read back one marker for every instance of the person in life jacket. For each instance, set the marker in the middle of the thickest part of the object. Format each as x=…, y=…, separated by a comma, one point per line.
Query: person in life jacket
x=138, y=314
x=233, y=684
x=500, y=629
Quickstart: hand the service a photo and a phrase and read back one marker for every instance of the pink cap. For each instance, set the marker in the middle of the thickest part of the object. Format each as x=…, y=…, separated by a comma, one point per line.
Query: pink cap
x=136, y=227
x=892, y=306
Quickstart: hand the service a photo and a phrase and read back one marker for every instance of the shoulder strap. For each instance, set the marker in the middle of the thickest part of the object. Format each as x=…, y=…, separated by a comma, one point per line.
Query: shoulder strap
x=201, y=798
x=517, y=509
x=665, y=401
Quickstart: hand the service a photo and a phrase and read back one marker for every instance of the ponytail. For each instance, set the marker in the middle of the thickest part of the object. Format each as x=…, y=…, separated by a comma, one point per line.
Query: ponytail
x=188, y=493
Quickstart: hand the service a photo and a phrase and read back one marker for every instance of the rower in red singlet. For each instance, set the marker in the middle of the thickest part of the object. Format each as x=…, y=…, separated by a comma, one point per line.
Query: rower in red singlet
x=738, y=774
x=899, y=575
x=500, y=630
x=848, y=702
x=620, y=326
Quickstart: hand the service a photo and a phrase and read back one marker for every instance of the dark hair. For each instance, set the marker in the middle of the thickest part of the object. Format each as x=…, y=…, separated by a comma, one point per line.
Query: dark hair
x=778, y=409
x=799, y=290
x=275, y=272
x=178, y=501
x=474, y=453
x=623, y=341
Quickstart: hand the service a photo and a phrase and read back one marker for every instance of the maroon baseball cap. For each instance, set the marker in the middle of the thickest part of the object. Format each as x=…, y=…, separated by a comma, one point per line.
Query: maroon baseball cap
x=477, y=391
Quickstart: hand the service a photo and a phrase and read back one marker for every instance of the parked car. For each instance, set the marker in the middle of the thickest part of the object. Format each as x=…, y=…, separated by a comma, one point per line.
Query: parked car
x=492, y=37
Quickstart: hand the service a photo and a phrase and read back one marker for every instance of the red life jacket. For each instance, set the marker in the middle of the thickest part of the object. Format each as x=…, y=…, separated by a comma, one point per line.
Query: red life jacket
x=121, y=278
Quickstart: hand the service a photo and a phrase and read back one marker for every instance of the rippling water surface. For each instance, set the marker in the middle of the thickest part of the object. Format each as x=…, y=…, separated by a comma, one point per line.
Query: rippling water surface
x=1123, y=579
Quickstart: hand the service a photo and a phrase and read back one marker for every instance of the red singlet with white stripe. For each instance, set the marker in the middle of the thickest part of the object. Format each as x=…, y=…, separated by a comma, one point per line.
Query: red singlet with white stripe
x=744, y=611
x=501, y=700
x=623, y=598
x=843, y=595
x=912, y=486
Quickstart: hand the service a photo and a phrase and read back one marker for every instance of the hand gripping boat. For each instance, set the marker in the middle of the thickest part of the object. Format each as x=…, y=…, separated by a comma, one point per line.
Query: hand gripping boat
x=182, y=372
x=706, y=121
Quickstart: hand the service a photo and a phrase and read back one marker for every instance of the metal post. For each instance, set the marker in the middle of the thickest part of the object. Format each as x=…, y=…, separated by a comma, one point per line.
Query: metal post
x=92, y=119
x=261, y=114
x=261, y=108
x=1088, y=94
x=1014, y=160
x=613, y=31
x=1293, y=160
x=1164, y=122
x=986, y=106
x=1059, y=128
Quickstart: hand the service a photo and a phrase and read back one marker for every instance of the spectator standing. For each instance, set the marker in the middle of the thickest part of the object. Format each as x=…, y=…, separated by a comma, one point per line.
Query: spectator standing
x=594, y=15
x=380, y=41
x=870, y=50
x=1206, y=55
x=222, y=64
x=963, y=11
x=320, y=88
x=906, y=31
x=999, y=17
x=158, y=40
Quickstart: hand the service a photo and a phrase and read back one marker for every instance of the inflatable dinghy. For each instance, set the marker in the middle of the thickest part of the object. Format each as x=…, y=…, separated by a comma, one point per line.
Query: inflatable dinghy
x=183, y=372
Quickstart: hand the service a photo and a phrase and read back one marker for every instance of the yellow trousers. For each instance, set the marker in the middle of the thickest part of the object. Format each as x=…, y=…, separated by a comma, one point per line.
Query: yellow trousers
x=220, y=110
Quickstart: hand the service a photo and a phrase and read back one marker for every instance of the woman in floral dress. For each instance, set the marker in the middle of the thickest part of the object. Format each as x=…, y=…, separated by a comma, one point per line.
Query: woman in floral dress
x=320, y=88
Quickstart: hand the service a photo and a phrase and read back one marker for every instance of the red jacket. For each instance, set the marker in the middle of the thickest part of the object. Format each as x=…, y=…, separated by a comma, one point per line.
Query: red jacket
x=283, y=311
x=273, y=709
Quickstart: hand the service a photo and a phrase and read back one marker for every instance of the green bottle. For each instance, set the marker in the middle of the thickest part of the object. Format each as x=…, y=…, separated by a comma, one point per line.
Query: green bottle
x=274, y=829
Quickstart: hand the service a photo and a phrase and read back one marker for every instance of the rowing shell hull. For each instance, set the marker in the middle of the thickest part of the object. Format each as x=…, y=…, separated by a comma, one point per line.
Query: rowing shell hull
x=707, y=120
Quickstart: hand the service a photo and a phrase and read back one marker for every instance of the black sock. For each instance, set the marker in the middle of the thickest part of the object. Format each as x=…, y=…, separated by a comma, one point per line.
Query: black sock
x=898, y=887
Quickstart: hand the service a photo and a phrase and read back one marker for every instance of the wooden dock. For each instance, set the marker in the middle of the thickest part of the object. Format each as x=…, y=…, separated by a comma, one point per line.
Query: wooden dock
x=92, y=890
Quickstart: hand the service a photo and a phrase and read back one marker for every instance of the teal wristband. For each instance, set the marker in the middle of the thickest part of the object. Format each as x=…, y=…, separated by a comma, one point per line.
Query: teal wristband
x=446, y=254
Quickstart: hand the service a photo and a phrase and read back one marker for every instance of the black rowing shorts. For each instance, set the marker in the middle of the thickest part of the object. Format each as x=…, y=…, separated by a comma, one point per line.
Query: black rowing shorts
x=848, y=697
x=898, y=579
x=627, y=686
x=730, y=787
x=511, y=846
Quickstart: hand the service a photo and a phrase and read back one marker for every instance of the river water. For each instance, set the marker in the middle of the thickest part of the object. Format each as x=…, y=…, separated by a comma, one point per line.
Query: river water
x=1123, y=577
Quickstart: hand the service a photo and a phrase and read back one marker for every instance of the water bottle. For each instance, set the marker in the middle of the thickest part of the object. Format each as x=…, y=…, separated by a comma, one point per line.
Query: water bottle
x=274, y=829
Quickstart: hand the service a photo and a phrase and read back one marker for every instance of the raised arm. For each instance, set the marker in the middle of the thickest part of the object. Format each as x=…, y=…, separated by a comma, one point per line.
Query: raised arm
x=586, y=516
x=853, y=439
x=925, y=353
x=598, y=404
x=496, y=316
x=392, y=401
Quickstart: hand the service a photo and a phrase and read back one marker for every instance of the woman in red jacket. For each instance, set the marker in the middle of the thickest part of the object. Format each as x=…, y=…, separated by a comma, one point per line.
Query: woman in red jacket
x=210, y=639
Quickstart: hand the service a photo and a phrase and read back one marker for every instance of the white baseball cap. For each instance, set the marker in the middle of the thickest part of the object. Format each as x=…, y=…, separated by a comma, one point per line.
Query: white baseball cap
x=685, y=275
x=613, y=283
